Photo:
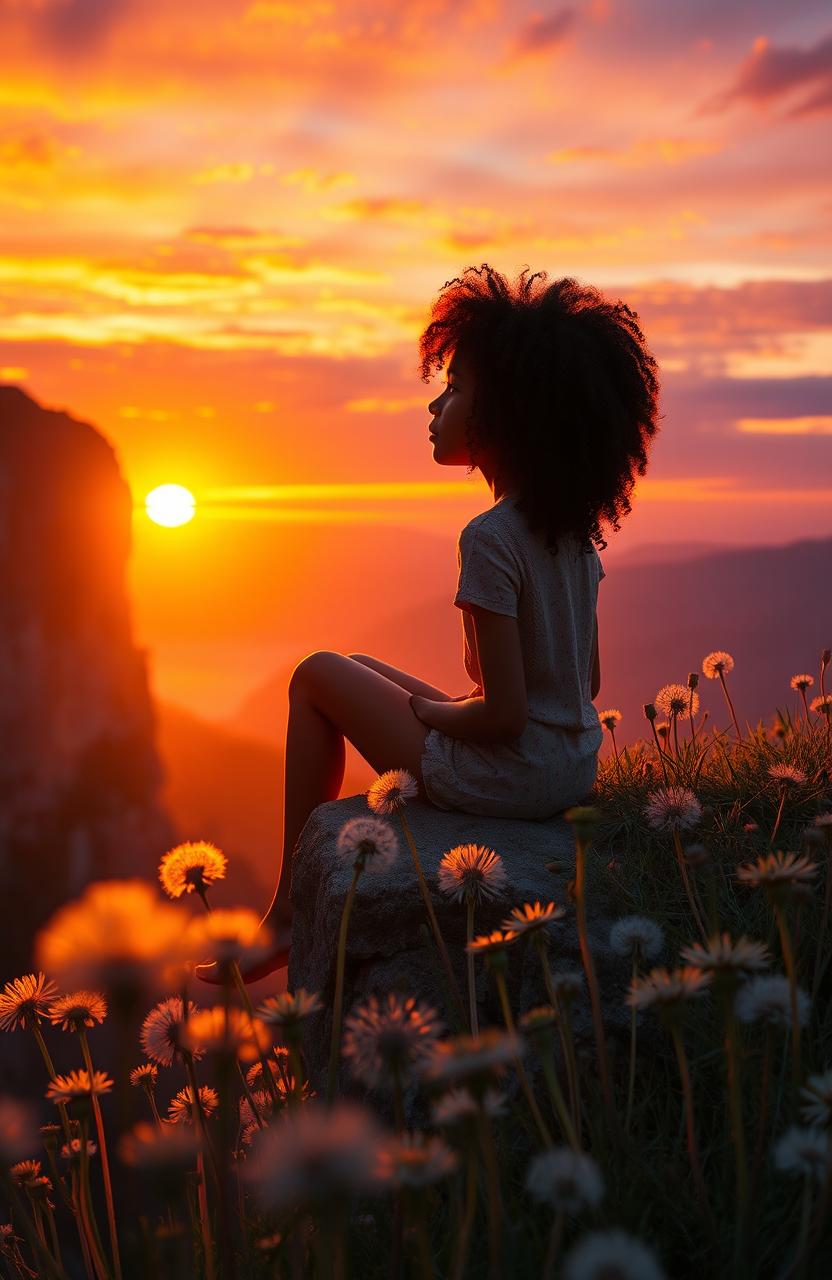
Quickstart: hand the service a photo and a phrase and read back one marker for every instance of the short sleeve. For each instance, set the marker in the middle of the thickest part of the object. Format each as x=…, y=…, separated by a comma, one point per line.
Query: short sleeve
x=601, y=573
x=489, y=574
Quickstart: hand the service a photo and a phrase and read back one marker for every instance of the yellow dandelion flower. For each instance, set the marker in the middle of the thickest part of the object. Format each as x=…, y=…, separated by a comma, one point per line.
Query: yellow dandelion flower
x=391, y=791
x=289, y=1009
x=659, y=987
x=144, y=1075
x=529, y=917
x=194, y=865
x=25, y=1171
x=227, y=935
x=243, y=1036
x=80, y=1009
x=77, y=1084
x=487, y=943
x=721, y=954
x=778, y=869
x=802, y=681
x=823, y=702
x=716, y=664
x=26, y=998
x=610, y=718
x=161, y=1032
x=471, y=872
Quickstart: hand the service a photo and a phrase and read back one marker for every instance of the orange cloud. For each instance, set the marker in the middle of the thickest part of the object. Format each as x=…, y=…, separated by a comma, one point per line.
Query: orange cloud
x=771, y=72
x=643, y=151
x=816, y=425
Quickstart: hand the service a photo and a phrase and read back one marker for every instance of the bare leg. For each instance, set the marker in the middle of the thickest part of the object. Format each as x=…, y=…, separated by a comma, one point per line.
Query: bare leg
x=314, y=771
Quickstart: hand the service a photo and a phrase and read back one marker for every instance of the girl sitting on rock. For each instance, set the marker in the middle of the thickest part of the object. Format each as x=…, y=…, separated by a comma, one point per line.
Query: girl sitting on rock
x=552, y=393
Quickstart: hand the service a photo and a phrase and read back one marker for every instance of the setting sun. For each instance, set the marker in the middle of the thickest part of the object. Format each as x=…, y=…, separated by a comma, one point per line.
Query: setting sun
x=170, y=505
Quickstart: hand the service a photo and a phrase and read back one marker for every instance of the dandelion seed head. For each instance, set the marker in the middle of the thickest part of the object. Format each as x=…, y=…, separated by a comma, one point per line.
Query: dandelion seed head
x=660, y=987
x=804, y=1151
x=391, y=791
x=78, y=1084
x=568, y=1180
x=161, y=1033
x=767, y=999
x=394, y=1035
x=315, y=1155
x=472, y=873
x=637, y=935
x=816, y=1104
x=289, y=1009
x=721, y=954
x=802, y=681
x=672, y=809
x=611, y=1255
x=80, y=1009
x=787, y=774
x=532, y=916
x=25, y=1001
x=194, y=865
x=675, y=700
x=371, y=840
x=415, y=1160
x=181, y=1107
x=716, y=663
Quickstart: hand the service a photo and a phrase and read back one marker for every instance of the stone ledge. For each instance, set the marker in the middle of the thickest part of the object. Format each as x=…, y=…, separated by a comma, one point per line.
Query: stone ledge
x=385, y=949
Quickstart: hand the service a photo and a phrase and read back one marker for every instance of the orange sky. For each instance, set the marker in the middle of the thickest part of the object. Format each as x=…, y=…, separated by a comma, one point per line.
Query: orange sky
x=223, y=225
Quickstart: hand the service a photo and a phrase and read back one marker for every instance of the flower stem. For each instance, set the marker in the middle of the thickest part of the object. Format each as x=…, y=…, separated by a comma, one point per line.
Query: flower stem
x=694, y=906
x=495, y=1266
x=565, y=1033
x=337, y=1008
x=87, y=1211
x=762, y=1111
x=631, y=1079
x=827, y=901
x=693, y=1150
x=469, y=960
x=105, y=1164
x=789, y=965
x=553, y=1248
x=440, y=941
x=777, y=819
x=592, y=984
x=737, y=1128
x=520, y=1069
x=730, y=703
x=463, y=1236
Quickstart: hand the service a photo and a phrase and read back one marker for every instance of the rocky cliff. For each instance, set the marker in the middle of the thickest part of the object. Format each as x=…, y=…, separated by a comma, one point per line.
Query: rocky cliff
x=79, y=773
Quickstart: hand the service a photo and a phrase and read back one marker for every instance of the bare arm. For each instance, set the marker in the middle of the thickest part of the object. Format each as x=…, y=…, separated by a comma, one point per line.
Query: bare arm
x=595, y=677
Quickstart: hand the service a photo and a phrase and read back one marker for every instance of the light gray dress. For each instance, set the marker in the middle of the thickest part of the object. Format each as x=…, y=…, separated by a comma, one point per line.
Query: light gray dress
x=553, y=764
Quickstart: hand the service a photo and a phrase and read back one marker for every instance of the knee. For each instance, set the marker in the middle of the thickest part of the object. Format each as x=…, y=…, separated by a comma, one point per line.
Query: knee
x=309, y=668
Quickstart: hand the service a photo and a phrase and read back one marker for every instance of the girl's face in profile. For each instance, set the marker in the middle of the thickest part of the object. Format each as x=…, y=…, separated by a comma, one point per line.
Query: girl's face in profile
x=450, y=413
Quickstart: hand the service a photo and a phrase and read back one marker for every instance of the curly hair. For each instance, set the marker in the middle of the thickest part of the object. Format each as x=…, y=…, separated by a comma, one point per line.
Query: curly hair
x=566, y=393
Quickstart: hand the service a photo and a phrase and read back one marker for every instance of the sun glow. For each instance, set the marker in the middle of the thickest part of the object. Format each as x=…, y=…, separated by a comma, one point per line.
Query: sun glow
x=170, y=505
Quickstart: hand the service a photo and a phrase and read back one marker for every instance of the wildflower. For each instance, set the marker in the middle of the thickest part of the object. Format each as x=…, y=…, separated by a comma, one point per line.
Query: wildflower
x=147, y=1146
x=458, y=1105
x=539, y=1020
x=528, y=918
x=816, y=1109
x=473, y=1059
x=489, y=943
x=81, y=1009
x=778, y=871
x=77, y=1084
x=50, y=1134
x=471, y=872
x=637, y=935
x=194, y=865
x=393, y=1038
x=372, y=842
x=801, y=682
x=391, y=791
x=181, y=1107
x=161, y=1033
x=803, y=1151
x=611, y=1255
x=267, y=1106
x=786, y=774
x=415, y=1160
x=672, y=809
x=568, y=1180
x=289, y=1010
x=315, y=1155
x=675, y=700
x=25, y=1171
x=145, y=1075
x=768, y=1000
x=609, y=719
x=278, y=1062
x=219, y=1031
x=659, y=987
x=717, y=663
x=72, y=1150
x=720, y=954
x=823, y=702
x=117, y=937
x=229, y=935
x=26, y=998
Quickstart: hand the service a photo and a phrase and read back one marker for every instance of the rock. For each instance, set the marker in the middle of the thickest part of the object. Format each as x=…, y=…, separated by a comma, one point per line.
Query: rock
x=385, y=946
x=79, y=772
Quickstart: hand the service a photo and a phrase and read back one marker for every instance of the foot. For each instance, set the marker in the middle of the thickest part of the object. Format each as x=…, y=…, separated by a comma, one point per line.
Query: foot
x=276, y=958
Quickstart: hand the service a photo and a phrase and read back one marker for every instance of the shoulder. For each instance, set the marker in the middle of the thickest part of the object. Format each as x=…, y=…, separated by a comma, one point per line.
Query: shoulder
x=494, y=528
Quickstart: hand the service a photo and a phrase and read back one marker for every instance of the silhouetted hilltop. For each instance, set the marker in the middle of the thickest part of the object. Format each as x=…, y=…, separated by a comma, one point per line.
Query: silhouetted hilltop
x=79, y=773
